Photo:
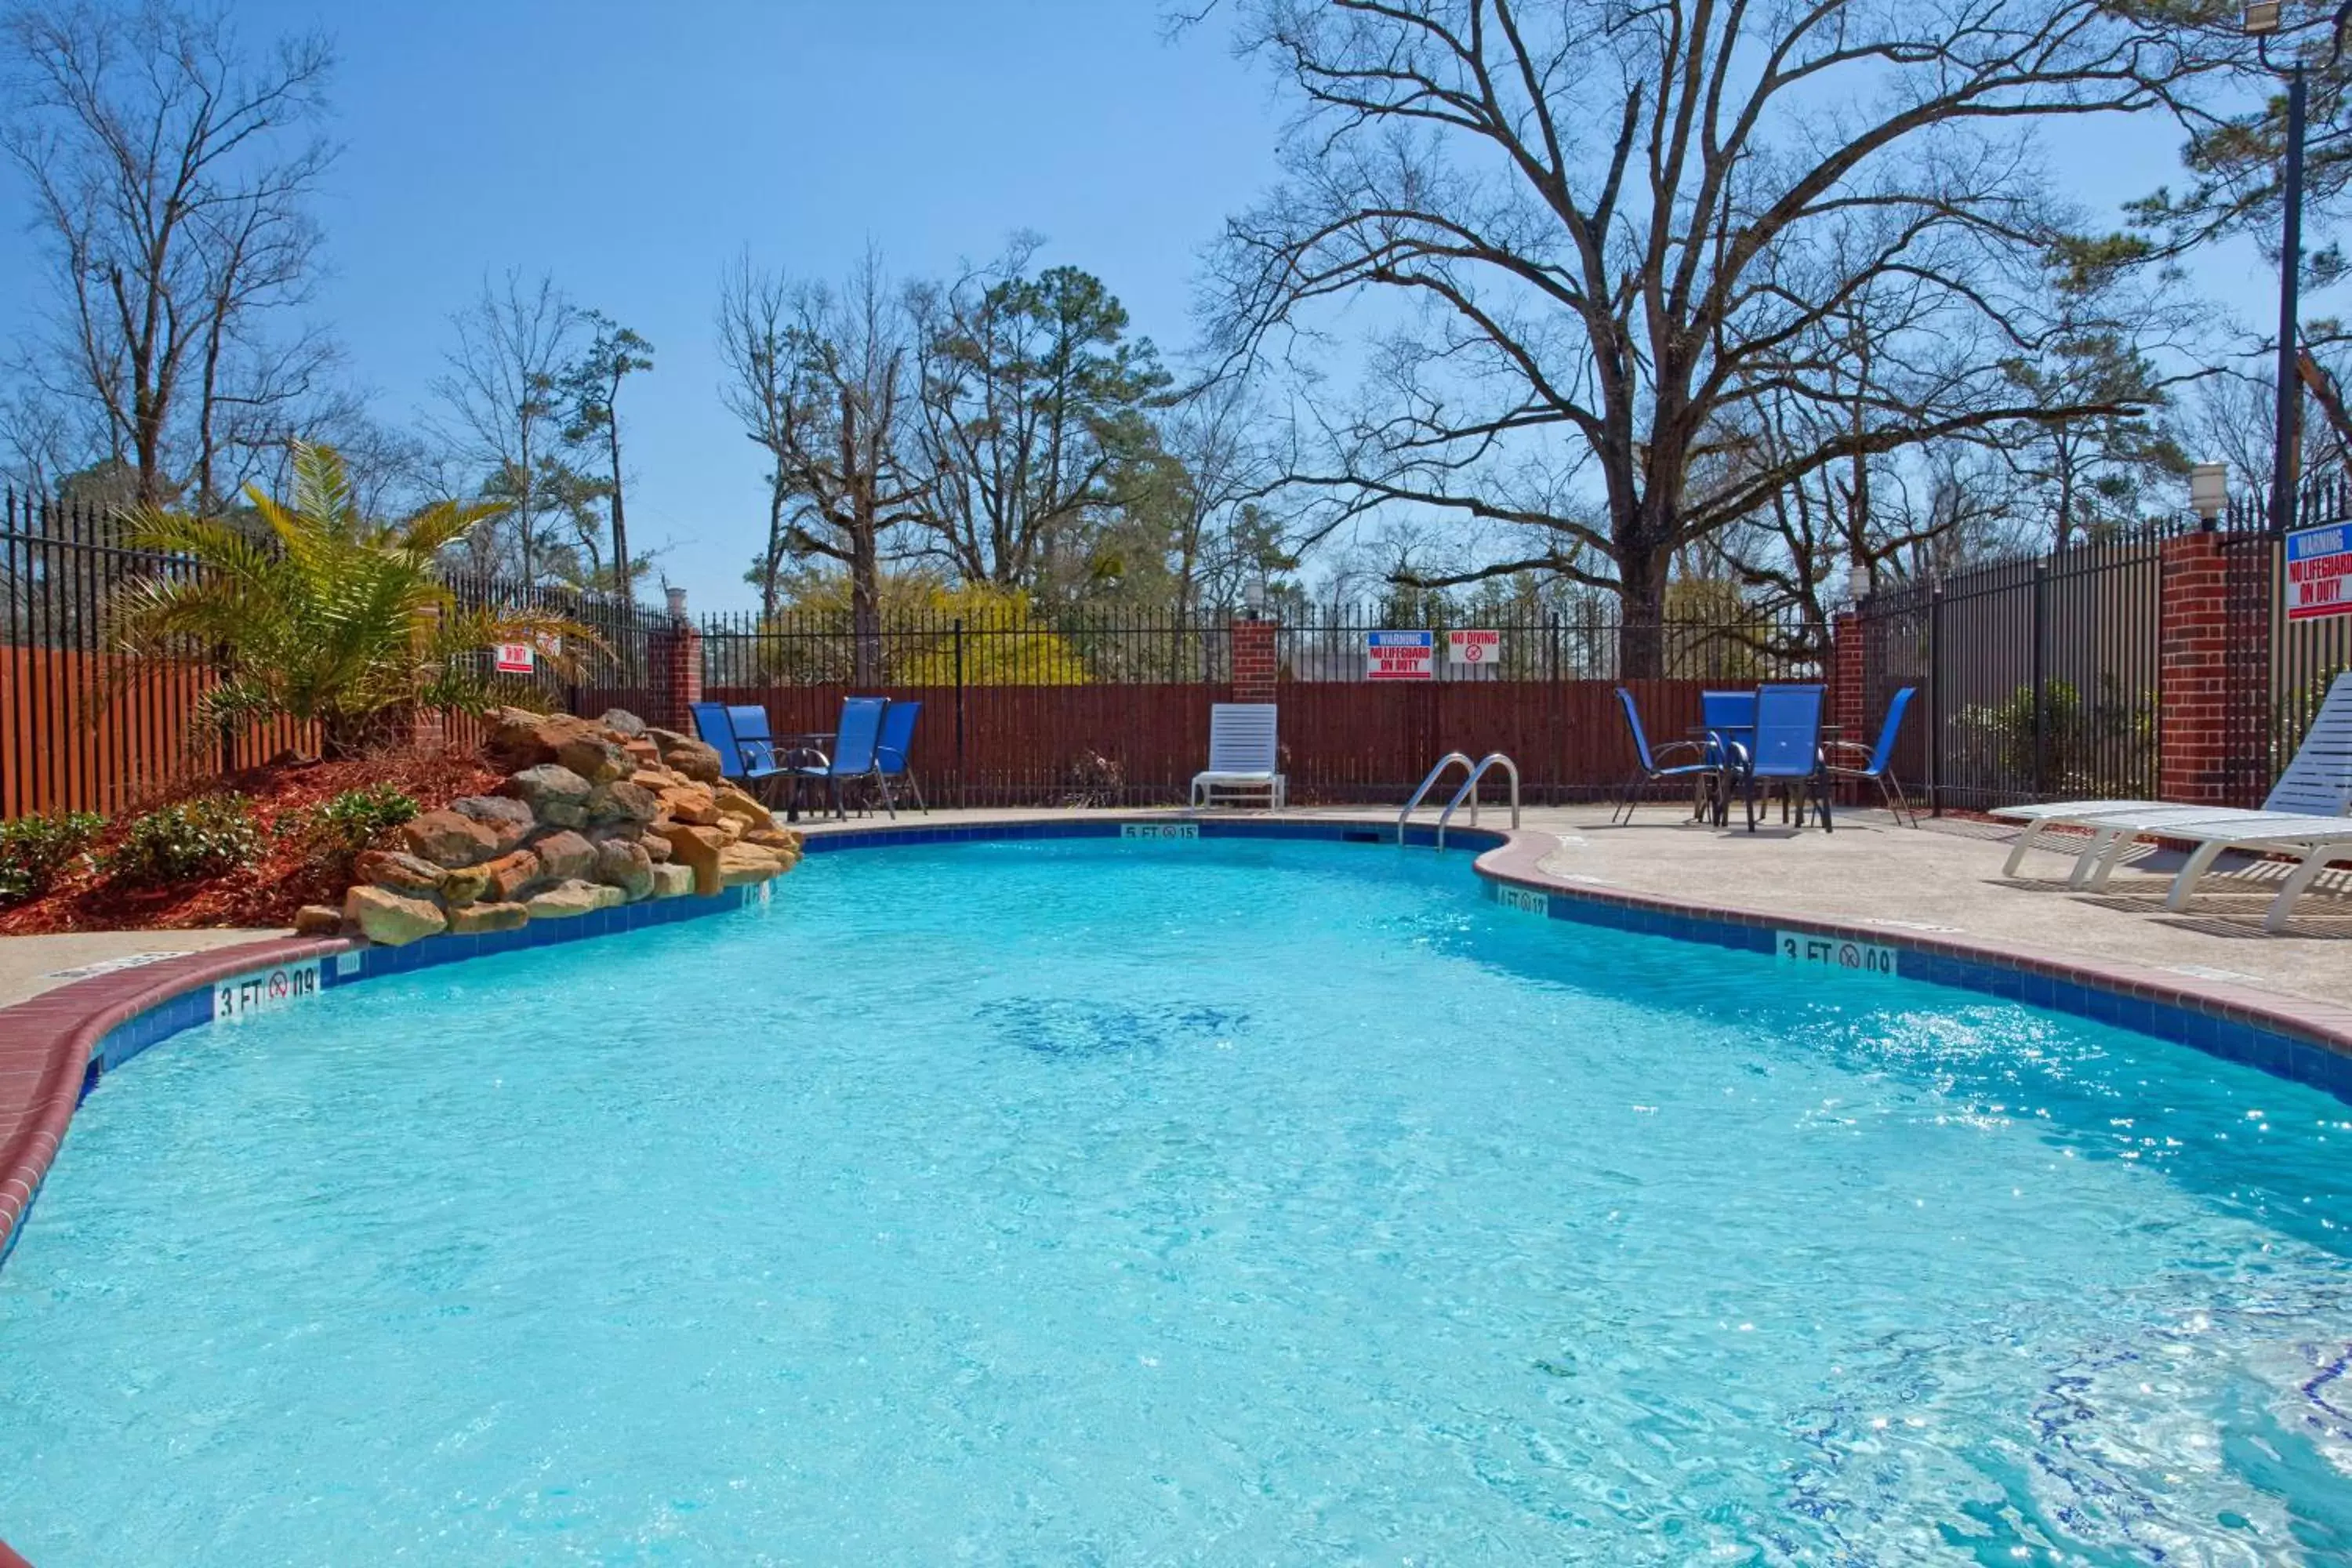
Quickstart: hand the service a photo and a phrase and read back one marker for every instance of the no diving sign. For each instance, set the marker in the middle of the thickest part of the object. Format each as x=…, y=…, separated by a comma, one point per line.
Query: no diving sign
x=1469, y=650
x=264, y=990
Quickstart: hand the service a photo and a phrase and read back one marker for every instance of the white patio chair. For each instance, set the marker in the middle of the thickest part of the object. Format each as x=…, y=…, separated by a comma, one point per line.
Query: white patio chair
x=2317, y=784
x=1243, y=757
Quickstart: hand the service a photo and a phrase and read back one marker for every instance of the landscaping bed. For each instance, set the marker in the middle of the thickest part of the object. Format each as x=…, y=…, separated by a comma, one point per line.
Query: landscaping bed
x=294, y=864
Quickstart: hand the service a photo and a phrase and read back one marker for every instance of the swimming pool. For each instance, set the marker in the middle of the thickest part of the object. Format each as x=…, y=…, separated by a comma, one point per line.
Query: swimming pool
x=1209, y=1201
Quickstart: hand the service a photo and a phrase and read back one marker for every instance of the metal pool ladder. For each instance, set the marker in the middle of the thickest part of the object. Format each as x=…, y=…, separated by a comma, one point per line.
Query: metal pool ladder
x=1469, y=790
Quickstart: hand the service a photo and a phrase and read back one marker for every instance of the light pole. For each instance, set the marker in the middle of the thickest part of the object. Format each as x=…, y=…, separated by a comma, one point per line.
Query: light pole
x=2262, y=21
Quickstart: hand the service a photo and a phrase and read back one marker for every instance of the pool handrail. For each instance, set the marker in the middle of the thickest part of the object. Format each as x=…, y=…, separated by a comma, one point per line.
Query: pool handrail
x=1428, y=784
x=1470, y=788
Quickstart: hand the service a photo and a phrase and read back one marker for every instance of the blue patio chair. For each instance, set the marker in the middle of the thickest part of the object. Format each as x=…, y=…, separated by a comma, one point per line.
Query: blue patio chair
x=854, y=755
x=757, y=743
x=747, y=760
x=1651, y=770
x=1879, y=763
x=898, y=739
x=1730, y=719
x=1787, y=750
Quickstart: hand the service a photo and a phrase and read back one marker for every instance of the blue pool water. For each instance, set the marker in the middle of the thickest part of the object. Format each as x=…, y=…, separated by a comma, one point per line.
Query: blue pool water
x=1203, y=1203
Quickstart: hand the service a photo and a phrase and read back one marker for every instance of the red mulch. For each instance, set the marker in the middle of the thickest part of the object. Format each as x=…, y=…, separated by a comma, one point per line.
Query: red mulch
x=290, y=874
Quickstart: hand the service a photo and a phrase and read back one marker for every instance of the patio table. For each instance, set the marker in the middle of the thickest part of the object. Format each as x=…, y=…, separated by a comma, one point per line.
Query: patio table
x=786, y=748
x=1831, y=736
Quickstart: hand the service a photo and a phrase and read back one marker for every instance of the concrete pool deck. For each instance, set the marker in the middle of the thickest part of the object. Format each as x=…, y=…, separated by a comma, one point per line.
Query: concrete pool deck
x=32, y=965
x=1943, y=878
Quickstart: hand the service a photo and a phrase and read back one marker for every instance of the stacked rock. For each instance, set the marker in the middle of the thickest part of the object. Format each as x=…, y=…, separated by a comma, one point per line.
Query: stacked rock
x=591, y=814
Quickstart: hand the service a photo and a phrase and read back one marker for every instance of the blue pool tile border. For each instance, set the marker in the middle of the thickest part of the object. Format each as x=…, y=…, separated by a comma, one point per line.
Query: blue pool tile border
x=2202, y=1026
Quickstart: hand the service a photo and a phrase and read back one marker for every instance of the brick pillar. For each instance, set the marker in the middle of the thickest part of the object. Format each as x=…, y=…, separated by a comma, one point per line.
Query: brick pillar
x=677, y=676
x=1848, y=676
x=2213, y=638
x=1254, y=669
x=427, y=729
x=421, y=728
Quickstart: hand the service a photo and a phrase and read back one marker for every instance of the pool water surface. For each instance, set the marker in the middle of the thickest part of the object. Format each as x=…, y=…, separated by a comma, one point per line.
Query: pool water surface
x=1222, y=1201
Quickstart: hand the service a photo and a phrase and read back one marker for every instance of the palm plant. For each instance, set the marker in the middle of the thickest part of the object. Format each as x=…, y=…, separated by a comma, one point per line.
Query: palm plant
x=329, y=617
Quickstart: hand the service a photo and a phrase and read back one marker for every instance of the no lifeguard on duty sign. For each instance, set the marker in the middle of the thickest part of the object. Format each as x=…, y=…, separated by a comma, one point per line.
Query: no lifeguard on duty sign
x=2318, y=565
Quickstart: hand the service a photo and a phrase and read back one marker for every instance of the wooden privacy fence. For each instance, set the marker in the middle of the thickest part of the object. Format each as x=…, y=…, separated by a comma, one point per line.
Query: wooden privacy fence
x=97, y=731
x=93, y=731
x=1342, y=741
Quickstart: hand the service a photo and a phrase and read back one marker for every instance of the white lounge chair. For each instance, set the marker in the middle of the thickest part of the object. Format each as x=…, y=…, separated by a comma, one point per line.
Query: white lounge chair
x=2317, y=784
x=2317, y=841
x=1242, y=755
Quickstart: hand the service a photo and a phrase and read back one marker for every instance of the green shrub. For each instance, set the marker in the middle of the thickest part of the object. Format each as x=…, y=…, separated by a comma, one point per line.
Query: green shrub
x=358, y=819
x=34, y=849
x=201, y=838
x=2075, y=744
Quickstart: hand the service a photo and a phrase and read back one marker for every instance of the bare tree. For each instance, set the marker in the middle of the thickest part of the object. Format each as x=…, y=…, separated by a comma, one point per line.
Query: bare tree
x=171, y=171
x=1221, y=533
x=592, y=390
x=755, y=311
x=40, y=442
x=502, y=397
x=820, y=379
x=1607, y=227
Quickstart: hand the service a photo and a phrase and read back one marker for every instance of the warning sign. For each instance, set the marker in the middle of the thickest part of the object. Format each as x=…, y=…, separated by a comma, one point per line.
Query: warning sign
x=1470, y=649
x=2318, y=565
x=515, y=658
x=1400, y=655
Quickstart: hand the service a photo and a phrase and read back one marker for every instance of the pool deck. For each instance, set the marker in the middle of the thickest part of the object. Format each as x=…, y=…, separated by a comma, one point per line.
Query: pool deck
x=1943, y=878
x=32, y=965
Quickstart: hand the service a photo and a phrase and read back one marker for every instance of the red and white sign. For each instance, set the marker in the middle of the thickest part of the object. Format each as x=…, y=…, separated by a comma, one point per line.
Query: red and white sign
x=1470, y=649
x=515, y=658
x=2319, y=572
x=1400, y=655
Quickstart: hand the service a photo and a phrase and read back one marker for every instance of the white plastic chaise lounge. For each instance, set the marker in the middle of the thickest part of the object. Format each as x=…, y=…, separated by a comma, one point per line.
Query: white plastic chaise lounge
x=2305, y=810
x=2318, y=842
x=1243, y=754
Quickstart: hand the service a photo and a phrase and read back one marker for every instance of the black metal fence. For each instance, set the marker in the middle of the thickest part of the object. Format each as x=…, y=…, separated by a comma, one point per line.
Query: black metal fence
x=85, y=726
x=2036, y=679
x=2042, y=677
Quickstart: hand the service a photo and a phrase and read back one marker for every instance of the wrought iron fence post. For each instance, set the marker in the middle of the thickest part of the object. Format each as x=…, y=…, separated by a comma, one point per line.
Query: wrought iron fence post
x=2041, y=759
x=1551, y=706
x=1934, y=700
x=961, y=801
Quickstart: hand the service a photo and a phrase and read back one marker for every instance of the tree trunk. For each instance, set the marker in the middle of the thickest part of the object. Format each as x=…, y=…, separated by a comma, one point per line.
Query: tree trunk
x=864, y=607
x=620, y=527
x=1642, y=614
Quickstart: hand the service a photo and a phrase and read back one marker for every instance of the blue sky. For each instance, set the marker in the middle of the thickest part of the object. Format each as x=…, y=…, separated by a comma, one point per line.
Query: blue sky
x=631, y=149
